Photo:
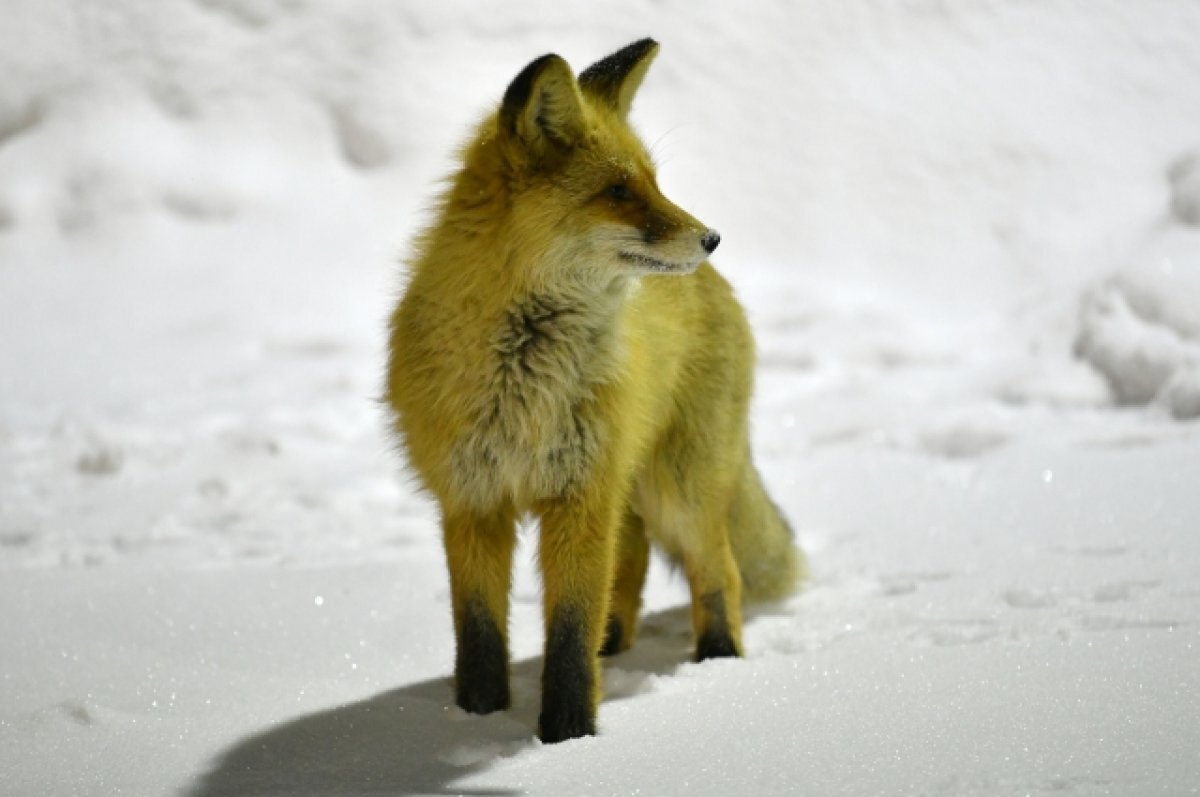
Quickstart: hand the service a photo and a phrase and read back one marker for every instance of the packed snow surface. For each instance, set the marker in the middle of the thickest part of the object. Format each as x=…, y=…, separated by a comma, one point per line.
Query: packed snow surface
x=967, y=236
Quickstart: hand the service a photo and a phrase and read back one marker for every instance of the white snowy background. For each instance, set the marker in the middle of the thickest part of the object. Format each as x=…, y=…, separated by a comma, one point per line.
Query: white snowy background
x=968, y=237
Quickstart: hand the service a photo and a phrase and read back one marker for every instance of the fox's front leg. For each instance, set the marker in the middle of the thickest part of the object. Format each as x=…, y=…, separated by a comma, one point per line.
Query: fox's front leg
x=479, y=552
x=576, y=554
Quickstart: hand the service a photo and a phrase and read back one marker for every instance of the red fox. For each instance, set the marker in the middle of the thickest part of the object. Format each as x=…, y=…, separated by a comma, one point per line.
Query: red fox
x=564, y=351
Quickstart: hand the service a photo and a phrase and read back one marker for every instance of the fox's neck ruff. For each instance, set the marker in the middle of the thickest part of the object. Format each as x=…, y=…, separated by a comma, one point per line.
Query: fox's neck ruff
x=535, y=431
x=564, y=335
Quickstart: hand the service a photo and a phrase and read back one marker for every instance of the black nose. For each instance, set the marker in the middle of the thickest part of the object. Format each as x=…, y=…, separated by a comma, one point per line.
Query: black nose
x=710, y=241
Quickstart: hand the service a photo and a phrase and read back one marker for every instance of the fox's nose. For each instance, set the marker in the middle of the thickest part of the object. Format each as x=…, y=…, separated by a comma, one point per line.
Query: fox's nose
x=710, y=240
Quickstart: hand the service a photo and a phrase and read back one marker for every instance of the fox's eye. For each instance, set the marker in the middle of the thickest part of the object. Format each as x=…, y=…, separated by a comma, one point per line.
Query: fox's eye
x=620, y=192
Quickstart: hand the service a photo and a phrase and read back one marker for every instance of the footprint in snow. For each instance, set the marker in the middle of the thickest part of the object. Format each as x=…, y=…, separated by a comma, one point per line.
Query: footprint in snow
x=897, y=584
x=948, y=633
x=1030, y=598
x=961, y=442
x=1121, y=591
x=1114, y=623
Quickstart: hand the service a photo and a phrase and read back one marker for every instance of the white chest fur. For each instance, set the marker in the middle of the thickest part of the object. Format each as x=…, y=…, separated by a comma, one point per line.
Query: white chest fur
x=536, y=433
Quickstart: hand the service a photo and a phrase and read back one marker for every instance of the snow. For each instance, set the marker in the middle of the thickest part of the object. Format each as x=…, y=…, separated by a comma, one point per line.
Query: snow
x=966, y=235
x=1141, y=329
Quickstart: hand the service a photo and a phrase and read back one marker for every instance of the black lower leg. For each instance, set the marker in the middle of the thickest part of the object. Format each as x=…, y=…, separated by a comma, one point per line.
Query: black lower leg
x=715, y=641
x=481, y=663
x=567, y=682
x=614, y=635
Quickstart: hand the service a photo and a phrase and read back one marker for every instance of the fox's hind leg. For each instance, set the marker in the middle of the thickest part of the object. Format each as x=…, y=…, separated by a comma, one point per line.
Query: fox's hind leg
x=687, y=500
x=633, y=557
x=479, y=553
x=716, y=588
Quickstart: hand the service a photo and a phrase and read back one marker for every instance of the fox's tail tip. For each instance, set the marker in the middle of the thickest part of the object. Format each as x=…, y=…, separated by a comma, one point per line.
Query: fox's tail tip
x=784, y=576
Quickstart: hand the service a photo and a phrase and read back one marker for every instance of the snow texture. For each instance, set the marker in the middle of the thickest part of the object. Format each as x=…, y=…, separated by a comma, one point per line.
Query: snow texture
x=968, y=238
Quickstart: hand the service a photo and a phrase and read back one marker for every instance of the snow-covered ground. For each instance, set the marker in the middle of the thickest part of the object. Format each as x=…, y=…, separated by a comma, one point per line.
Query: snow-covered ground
x=968, y=236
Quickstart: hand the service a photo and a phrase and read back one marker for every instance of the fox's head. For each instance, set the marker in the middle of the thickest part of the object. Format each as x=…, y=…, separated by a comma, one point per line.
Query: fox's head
x=580, y=187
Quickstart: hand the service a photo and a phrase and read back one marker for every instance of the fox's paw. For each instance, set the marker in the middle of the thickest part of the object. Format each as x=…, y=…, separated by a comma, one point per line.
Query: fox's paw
x=562, y=720
x=716, y=645
x=483, y=698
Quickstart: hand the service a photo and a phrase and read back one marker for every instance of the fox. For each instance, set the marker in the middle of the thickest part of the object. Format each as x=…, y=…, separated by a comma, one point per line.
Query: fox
x=563, y=351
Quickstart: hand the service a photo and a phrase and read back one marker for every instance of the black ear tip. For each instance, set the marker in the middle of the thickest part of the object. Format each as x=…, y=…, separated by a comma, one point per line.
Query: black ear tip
x=638, y=50
x=517, y=93
x=608, y=72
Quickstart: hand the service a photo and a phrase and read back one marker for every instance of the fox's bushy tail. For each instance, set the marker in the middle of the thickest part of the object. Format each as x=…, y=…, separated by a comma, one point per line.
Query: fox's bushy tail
x=763, y=543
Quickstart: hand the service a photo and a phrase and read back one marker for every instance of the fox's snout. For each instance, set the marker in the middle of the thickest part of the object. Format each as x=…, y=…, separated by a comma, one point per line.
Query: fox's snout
x=709, y=240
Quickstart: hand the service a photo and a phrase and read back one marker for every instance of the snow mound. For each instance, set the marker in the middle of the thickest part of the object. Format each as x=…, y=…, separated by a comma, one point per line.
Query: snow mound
x=1141, y=328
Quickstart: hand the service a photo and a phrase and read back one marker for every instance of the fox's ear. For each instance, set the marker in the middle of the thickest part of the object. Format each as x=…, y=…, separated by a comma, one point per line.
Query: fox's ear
x=615, y=79
x=542, y=106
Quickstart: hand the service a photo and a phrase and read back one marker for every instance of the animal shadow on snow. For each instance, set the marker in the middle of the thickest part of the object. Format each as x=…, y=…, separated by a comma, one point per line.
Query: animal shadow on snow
x=413, y=740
